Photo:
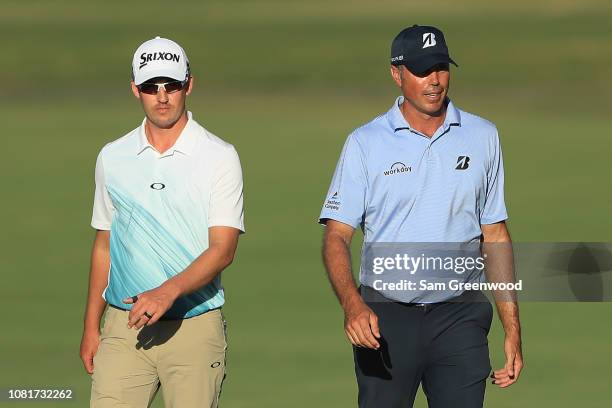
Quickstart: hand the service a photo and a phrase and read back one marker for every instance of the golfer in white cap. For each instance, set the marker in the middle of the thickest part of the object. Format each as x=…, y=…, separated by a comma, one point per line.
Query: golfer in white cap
x=168, y=213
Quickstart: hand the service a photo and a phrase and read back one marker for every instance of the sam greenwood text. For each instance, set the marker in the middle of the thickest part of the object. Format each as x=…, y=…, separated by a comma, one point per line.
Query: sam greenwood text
x=453, y=284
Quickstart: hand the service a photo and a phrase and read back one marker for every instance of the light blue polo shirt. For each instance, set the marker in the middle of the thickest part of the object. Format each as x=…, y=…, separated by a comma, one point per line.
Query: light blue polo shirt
x=159, y=207
x=401, y=186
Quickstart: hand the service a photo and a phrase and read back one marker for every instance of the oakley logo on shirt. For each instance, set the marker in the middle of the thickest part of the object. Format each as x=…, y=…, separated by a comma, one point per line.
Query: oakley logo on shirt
x=158, y=186
x=463, y=162
x=397, y=168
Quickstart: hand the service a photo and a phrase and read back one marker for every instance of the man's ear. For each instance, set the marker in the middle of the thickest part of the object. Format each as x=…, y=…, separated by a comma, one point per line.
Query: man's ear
x=189, y=85
x=396, y=74
x=134, y=89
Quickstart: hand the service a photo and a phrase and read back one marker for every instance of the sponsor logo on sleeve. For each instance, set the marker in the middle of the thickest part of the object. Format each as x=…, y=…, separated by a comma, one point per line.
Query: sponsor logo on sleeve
x=333, y=202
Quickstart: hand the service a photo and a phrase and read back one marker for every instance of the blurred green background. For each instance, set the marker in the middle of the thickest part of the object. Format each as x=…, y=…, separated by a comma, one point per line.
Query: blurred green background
x=285, y=82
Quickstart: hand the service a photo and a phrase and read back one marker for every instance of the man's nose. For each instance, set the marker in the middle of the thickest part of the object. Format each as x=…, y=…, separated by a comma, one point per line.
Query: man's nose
x=434, y=77
x=162, y=95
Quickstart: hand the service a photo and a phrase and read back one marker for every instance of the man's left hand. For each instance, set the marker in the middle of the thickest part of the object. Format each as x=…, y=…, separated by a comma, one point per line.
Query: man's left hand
x=508, y=375
x=150, y=306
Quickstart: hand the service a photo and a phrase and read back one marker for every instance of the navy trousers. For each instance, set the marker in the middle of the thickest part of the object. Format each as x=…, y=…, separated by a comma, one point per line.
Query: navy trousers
x=442, y=346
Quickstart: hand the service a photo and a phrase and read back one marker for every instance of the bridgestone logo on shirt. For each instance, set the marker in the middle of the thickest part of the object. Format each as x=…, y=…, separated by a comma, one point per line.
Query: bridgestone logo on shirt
x=157, y=56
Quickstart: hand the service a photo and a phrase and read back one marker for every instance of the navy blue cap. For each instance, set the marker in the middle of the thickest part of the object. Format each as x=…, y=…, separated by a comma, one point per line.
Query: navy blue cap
x=419, y=48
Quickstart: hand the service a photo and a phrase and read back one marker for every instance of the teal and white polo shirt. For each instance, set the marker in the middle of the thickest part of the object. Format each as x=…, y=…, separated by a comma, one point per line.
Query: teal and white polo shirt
x=159, y=207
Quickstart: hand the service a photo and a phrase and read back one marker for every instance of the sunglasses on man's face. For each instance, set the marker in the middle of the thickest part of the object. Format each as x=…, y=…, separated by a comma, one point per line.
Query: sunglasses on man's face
x=152, y=88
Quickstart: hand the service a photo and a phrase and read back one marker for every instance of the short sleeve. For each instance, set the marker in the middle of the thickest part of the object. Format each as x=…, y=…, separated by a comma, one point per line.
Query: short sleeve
x=494, y=209
x=103, y=209
x=346, y=197
x=226, y=201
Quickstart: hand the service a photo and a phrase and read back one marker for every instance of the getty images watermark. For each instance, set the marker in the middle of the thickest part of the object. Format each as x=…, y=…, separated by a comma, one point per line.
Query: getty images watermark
x=440, y=270
x=436, y=272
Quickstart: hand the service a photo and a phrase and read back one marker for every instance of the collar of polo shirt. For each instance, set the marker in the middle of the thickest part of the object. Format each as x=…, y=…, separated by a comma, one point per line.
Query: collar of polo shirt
x=184, y=144
x=398, y=122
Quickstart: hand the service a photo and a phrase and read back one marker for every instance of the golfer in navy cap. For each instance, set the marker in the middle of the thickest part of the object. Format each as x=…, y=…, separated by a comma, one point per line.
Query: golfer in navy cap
x=423, y=172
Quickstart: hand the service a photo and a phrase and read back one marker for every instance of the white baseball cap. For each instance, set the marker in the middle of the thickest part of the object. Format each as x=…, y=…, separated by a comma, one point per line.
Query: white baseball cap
x=159, y=57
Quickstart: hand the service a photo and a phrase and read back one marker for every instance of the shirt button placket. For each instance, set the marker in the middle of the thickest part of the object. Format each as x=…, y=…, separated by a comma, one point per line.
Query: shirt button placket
x=430, y=157
x=157, y=166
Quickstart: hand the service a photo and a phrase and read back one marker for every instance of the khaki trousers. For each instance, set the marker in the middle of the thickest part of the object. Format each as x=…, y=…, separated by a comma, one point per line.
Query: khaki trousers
x=185, y=357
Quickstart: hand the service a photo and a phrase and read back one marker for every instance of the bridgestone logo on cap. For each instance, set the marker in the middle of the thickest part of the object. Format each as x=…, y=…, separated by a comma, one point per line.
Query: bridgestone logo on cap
x=429, y=40
x=156, y=56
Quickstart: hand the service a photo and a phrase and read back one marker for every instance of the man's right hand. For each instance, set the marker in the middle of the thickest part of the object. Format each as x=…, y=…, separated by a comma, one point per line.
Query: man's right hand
x=361, y=325
x=89, y=346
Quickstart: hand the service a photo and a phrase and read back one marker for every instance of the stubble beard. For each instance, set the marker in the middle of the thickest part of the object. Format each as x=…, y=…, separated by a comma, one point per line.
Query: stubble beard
x=165, y=122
